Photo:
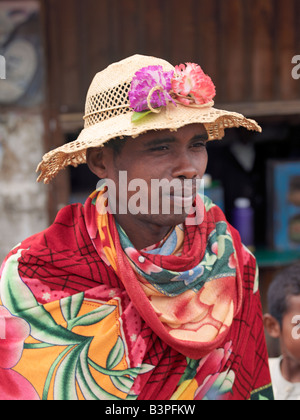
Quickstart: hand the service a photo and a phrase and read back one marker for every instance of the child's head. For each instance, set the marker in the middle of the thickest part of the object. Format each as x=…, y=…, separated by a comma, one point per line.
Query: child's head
x=283, y=319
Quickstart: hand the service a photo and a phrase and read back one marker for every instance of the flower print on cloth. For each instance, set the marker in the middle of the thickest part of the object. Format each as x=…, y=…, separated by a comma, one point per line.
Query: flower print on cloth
x=64, y=338
x=14, y=332
x=190, y=276
x=194, y=296
x=43, y=293
x=219, y=256
x=99, y=336
x=206, y=379
x=141, y=263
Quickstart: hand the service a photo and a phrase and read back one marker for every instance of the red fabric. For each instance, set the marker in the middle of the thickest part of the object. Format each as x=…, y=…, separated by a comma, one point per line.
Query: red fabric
x=65, y=259
x=190, y=349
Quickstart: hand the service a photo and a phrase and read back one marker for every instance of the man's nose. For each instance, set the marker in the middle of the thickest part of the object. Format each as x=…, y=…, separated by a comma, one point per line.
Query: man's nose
x=184, y=168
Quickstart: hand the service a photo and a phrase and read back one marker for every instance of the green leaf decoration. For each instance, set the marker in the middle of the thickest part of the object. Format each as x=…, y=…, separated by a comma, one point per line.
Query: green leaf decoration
x=72, y=368
x=262, y=398
x=225, y=382
x=190, y=371
x=88, y=386
x=116, y=355
x=93, y=317
x=51, y=372
x=131, y=397
x=70, y=306
x=65, y=378
x=138, y=116
x=145, y=368
x=15, y=295
x=123, y=383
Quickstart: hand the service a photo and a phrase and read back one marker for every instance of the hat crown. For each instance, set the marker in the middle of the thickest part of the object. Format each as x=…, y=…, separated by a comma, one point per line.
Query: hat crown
x=107, y=96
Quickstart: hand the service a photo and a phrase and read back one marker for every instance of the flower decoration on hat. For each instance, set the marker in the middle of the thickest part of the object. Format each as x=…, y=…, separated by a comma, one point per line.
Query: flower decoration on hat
x=152, y=89
x=191, y=85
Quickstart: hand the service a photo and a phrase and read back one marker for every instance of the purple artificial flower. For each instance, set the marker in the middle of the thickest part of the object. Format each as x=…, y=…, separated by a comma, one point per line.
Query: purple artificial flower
x=146, y=79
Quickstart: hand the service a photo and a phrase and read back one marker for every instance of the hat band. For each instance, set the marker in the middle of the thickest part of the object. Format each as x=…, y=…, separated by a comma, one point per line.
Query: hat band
x=99, y=111
x=117, y=107
x=107, y=104
x=100, y=115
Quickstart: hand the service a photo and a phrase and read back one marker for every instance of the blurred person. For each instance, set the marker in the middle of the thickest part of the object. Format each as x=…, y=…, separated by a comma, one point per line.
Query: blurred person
x=283, y=323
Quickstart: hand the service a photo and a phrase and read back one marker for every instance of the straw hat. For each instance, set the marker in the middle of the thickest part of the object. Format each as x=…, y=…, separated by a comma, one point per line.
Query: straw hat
x=109, y=112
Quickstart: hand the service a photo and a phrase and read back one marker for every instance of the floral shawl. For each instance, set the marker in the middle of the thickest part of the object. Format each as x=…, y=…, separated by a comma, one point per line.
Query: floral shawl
x=86, y=316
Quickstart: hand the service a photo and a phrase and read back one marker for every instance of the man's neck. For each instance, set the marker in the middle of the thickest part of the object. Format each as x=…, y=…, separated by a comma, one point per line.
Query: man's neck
x=141, y=234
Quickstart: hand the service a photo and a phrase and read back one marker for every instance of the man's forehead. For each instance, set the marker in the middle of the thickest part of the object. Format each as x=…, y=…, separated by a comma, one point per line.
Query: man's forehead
x=188, y=132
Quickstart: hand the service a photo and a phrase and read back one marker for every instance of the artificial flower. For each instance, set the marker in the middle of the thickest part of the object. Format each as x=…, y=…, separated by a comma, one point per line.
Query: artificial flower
x=144, y=81
x=191, y=85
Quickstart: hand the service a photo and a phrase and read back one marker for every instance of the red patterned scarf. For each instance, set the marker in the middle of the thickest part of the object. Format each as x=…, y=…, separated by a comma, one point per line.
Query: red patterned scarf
x=179, y=320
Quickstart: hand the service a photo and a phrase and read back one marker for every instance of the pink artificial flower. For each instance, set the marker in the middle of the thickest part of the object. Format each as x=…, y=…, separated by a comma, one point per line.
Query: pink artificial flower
x=144, y=81
x=192, y=86
x=13, y=334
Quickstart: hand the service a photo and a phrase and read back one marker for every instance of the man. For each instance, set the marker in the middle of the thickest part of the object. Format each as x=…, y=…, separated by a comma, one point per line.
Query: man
x=146, y=292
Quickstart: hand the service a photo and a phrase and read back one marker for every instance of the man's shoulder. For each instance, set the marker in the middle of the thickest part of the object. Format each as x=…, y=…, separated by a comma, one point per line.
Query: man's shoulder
x=59, y=235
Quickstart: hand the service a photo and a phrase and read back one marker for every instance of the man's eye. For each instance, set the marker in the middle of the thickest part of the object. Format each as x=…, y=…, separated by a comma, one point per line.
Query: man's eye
x=200, y=144
x=159, y=148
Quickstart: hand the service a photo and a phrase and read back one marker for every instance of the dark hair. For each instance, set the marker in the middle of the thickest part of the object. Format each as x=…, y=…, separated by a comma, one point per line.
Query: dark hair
x=285, y=285
x=116, y=144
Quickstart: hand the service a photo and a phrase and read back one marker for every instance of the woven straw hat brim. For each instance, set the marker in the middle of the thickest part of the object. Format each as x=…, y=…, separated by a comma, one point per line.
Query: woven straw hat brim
x=171, y=117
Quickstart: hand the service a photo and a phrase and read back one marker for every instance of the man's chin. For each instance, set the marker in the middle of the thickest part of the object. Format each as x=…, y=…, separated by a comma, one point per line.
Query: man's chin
x=165, y=219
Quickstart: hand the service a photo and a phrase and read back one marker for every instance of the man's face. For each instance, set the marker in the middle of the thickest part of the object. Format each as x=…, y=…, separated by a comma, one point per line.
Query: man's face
x=152, y=157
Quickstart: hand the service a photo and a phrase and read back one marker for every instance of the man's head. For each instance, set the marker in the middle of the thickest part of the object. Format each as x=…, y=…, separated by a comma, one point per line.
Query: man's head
x=283, y=319
x=139, y=95
x=173, y=156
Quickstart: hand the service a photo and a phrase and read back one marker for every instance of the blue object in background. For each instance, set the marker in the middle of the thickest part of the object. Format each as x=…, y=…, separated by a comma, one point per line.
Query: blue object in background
x=284, y=205
x=243, y=220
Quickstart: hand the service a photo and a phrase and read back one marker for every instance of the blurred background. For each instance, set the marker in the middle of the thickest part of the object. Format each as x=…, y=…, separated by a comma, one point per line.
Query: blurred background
x=53, y=49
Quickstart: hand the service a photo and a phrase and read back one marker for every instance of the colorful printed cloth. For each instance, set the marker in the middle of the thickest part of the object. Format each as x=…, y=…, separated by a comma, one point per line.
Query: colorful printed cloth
x=84, y=315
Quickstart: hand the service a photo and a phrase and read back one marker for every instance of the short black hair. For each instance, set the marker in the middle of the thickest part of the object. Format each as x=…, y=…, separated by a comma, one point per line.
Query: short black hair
x=285, y=285
x=116, y=144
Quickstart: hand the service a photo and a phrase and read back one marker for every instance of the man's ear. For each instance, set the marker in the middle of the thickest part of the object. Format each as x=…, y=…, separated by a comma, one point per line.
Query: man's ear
x=272, y=326
x=96, y=162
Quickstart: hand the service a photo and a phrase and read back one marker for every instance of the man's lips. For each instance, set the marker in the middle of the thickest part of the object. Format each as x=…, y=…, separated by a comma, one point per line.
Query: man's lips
x=184, y=194
x=183, y=198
